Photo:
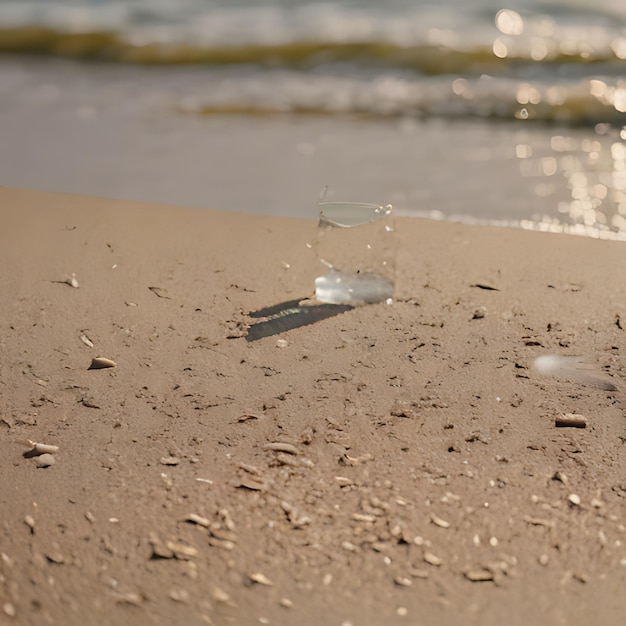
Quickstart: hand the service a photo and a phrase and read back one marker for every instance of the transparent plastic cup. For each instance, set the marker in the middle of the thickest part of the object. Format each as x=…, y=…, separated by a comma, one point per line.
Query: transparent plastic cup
x=356, y=244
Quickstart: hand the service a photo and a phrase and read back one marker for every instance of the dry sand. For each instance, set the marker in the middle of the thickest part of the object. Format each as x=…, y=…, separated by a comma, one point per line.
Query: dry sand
x=419, y=476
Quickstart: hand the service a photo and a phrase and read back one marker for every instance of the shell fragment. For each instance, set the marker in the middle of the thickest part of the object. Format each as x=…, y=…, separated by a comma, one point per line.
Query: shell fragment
x=100, y=362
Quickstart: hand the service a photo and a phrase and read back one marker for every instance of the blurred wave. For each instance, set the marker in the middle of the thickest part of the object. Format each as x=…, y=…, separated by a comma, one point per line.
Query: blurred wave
x=557, y=62
x=106, y=81
x=375, y=78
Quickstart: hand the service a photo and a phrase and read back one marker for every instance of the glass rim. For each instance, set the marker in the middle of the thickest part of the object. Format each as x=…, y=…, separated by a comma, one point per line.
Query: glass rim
x=350, y=203
x=346, y=218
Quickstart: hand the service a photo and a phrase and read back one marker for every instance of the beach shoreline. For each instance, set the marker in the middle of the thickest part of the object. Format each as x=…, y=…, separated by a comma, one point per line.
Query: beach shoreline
x=392, y=464
x=138, y=133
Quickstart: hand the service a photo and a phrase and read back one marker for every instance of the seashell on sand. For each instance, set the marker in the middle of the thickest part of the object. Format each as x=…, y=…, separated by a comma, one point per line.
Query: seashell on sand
x=45, y=448
x=100, y=362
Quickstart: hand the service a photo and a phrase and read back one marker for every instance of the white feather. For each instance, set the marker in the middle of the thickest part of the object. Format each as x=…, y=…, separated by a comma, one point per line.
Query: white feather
x=575, y=368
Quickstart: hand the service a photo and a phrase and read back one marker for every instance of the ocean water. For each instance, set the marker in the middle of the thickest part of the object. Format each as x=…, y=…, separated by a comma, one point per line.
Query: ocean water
x=506, y=112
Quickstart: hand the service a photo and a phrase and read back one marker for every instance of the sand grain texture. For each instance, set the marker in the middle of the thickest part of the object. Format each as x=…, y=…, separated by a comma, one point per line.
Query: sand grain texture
x=391, y=465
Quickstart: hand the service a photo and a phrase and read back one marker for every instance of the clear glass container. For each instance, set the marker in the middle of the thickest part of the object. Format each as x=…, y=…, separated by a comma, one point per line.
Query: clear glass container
x=356, y=244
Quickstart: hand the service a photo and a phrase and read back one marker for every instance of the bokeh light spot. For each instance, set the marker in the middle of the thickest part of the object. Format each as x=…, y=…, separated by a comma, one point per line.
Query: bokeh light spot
x=509, y=22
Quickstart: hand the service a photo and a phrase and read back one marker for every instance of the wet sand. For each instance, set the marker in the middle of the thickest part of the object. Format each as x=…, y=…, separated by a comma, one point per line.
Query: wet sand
x=390, y=465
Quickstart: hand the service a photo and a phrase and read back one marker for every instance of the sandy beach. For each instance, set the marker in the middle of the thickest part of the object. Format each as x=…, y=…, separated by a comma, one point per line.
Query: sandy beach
x=395, y=464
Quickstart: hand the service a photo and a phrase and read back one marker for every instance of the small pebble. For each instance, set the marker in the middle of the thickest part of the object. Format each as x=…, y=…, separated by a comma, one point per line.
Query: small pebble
x=169, y=460
x=571, y=420
x=286, y=602
x=55, y=556
x=574, y=499
x=179, y=595
x=181, y=550
x=72, y=282
x=402, y=611
x=30, y=522
x=343, y=481
x=198, y=519
x=130, y=598
x=219, y=595
x=261, y=579
x=479, y=313
x=280, y=446
x=477, y=576
x=44, y=460
x=432, y=559
x=9, y=609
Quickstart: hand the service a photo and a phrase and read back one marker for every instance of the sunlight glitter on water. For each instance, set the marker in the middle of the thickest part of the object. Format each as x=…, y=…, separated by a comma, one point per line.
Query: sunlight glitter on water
x=595, y=176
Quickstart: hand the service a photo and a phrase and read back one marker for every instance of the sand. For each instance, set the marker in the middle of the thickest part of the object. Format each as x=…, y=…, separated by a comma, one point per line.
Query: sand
x=390, y=465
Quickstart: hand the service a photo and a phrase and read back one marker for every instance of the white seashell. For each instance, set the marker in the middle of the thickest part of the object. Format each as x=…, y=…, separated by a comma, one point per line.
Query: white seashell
x=437, y=521
x=86, y=340
x=101, y=362
x=45, y=448
x=261, y=579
